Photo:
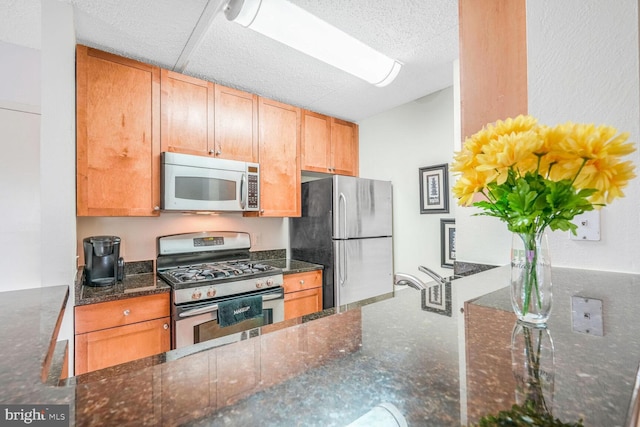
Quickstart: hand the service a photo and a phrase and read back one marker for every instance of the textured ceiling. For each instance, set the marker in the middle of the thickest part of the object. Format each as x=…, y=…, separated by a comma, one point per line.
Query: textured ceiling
x=421, y=34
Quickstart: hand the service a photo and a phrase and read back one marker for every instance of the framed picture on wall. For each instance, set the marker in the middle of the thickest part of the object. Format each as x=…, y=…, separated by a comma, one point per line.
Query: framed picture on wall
x=434, y=189
x=447, y=242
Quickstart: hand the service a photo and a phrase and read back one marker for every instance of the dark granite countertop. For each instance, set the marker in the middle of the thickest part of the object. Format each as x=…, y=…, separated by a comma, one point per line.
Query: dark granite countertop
x=333, y=367
x=30, y=322
x=292, y=266
x=140, y=280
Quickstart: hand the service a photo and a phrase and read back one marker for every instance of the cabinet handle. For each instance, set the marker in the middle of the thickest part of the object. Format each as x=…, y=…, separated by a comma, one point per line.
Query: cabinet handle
x=301, y=282
x=156, y=208
x=165, y=326
x=126, y=312
x=218, y=152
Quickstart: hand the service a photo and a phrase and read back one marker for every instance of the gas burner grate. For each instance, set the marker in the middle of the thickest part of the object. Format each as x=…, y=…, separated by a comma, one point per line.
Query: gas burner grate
x=215, y=271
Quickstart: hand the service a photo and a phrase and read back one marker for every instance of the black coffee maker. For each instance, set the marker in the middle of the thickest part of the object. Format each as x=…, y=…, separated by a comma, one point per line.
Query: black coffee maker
x=102, y=263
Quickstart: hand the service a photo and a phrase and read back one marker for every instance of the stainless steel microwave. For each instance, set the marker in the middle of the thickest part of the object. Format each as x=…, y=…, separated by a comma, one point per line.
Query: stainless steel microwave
x=199, y=183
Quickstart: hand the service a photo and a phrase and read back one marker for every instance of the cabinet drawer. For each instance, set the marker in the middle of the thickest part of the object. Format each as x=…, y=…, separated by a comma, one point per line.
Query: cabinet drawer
x=301, y=281
x=110, y=314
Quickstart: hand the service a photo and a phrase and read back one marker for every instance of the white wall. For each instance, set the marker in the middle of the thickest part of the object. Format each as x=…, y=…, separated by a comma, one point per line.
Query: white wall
x=19, y=167
x=19, y=199
x=57, y=155
x=393, y=146
x=583, y=67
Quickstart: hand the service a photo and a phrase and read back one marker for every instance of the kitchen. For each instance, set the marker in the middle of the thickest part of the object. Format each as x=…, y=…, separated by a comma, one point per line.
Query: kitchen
x=60, y=210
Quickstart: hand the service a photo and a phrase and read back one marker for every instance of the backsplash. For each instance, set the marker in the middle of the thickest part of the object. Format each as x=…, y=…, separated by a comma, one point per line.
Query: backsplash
x=138, y=235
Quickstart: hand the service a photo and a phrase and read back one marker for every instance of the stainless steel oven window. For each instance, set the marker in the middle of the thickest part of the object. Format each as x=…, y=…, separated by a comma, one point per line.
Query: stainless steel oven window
x=202, y=188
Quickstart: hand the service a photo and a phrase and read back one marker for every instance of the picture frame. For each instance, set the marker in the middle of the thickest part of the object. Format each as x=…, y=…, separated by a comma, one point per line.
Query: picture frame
x=437, y=298
x=434, y=189
x=447, y=242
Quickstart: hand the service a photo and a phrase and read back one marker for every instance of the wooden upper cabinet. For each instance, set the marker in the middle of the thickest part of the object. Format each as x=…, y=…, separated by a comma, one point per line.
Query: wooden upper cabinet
x=279, y=145
x=315, y=143
x=207, y=119
x=118, y=135
x=328, y=145
x=344, y=147
x=187, y=114
x=236, y=124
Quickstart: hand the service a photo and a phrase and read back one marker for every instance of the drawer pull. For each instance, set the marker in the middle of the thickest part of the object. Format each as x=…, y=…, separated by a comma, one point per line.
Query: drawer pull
x=301, y=282
x=126, y=312
x=165, y=326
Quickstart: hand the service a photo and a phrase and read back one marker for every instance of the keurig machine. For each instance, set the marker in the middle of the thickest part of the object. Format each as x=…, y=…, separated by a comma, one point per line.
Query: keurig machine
x=102, y=263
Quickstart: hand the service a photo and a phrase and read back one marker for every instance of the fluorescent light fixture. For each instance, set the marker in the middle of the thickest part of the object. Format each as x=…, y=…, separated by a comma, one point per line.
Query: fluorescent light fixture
x=297, y=28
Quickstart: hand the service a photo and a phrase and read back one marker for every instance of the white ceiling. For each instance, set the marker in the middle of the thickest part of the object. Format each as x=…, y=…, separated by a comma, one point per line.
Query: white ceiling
x=422, y=34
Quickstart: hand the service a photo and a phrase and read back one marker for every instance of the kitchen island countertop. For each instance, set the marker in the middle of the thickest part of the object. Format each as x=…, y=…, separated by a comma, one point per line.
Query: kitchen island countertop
x=329, y=369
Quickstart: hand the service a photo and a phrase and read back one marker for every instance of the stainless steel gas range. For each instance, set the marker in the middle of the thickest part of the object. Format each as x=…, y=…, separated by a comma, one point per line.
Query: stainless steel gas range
x=217, y=291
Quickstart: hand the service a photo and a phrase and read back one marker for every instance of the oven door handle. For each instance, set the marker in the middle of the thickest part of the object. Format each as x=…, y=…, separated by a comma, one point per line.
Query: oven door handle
x=201, y=310
x=214, y=307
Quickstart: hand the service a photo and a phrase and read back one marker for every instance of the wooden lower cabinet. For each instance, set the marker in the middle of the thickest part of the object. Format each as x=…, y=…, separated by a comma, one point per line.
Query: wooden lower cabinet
x=303, y=294
x=115, y=332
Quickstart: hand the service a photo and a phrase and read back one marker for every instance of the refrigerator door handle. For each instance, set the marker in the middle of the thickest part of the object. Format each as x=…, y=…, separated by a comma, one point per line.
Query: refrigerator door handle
x=343, y=268
x=343, y=199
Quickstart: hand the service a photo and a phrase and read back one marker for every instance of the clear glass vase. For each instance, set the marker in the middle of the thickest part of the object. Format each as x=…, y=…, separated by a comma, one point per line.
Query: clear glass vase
x=531, y=289
x=533, y=367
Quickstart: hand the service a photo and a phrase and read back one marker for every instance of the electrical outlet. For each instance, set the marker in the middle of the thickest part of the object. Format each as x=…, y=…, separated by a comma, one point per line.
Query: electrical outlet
x=588, y=226
x=586, y=314
x=256, y=239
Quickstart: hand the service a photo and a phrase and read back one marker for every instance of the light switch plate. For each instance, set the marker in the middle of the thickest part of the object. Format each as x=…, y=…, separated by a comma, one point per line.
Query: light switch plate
x=586, y=315
x=588, y=226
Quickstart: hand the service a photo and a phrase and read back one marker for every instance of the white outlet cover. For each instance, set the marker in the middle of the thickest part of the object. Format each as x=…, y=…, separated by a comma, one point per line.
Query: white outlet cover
x=588, y=226
x=586, y=315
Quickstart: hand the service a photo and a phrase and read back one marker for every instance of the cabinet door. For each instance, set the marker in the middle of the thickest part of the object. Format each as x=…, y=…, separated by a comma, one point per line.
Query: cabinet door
x=299, y=303
x=279, y=144
x=109, y=347
x=236, y=124
x=344, y=147
x=315, y=143
x=187, y=114
x=118, y=135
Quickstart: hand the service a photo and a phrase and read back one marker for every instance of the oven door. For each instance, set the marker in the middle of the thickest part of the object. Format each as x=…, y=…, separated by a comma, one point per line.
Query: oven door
x=194, y=323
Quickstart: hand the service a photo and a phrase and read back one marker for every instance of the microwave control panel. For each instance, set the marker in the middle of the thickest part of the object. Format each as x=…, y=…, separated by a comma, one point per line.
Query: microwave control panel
x=252, y=199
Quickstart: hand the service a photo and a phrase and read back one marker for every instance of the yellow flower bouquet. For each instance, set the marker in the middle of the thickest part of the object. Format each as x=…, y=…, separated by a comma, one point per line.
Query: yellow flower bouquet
x=534, y=176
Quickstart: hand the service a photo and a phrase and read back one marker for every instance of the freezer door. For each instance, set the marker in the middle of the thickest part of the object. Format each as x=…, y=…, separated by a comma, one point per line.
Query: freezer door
x=363, y=268
x=361, y=208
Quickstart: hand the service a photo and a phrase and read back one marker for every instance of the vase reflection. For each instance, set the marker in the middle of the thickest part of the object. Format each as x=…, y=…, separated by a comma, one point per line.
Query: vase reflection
x=533, y=367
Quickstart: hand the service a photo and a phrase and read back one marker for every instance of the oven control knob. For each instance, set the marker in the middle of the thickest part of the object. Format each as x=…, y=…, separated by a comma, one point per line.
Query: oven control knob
x=259, y=284
x=196, y=295
x=269, y=282
x=211, y=293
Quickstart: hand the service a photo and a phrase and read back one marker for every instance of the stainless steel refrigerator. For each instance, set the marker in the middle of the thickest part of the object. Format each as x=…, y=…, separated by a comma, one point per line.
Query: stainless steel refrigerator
x=346, y=226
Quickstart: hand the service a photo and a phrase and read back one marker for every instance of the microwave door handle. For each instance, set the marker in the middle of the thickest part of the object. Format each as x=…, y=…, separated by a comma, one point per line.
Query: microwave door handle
x=243, y=184
x=197, y=311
